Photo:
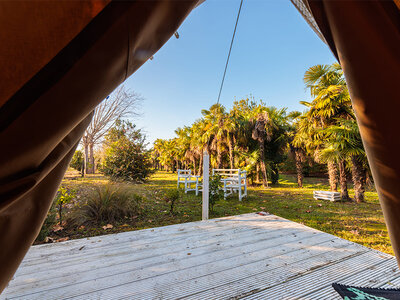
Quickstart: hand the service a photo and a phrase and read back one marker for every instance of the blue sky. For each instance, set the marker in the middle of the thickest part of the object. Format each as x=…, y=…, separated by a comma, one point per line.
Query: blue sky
x=273, y=48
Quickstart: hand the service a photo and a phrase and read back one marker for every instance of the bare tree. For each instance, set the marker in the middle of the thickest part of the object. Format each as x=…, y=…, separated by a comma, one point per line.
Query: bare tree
x=122, y=103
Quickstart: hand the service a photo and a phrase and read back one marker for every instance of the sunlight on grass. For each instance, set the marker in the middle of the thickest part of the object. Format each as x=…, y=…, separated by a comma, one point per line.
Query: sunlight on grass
x=361, y=223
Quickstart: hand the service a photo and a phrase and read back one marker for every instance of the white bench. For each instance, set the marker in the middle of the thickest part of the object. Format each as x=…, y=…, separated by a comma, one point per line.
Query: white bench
x=234, y=180
x=325, y=195
x=186, y=178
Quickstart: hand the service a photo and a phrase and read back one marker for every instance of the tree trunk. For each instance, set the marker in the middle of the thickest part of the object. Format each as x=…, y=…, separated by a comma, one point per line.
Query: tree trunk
x=86, y=158
x=200, y=165
x=262, y=164
x=332, y=172
x=90, y=166
x=230, y=146
x=344, y=194
x=299, y=168
x=194, y=165
x=219, y=156
x=258, y=172
x=357, y=174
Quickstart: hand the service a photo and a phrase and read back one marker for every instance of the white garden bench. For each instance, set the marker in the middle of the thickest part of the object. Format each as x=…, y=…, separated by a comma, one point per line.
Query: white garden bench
x=234, y=180
x=186, y=178
x=325, y=195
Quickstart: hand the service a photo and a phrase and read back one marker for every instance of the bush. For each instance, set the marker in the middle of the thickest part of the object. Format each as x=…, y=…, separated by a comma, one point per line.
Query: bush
x=125, y=156
x=107, y=204
x=172, y=196
x=64, y=196
x=77, y=161
x=216, y=194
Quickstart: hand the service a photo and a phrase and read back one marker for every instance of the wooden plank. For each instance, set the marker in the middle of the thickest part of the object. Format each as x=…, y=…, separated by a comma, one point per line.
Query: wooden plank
x=74, y=253
x=373, y=276
x=135, y=260
x=244, y=276
x=182, y=261
x=319, y=277
x=249, y=256
x=146, y=235
x=97, y=252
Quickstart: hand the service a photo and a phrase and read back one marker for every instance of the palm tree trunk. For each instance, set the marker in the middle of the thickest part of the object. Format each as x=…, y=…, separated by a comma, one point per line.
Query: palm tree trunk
x=230, y=146
x=299, y=168
x=344, y=194
x=332, y=172
x=219, y=156
x=262, y=164
x=200, y=164
x=258, y=173
x=194, y=165
x=357, y=173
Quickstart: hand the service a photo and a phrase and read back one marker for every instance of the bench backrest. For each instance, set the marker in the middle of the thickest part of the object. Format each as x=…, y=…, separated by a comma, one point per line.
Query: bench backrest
x=184, y=173
x=226, y=172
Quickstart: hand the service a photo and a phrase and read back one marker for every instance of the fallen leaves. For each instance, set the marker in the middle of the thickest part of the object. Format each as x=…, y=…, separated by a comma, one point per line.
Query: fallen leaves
x=108, y=226
x=57, y=228
x=62, y=239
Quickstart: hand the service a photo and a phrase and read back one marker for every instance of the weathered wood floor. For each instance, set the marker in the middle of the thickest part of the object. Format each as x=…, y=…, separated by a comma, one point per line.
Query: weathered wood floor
x=246, y=256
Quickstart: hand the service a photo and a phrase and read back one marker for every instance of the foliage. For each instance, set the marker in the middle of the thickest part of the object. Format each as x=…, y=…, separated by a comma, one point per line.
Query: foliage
x=216, y=194
x=77, y=160
x=64, y=196
x=107, y=204
x=171, y=197
x=125, y=155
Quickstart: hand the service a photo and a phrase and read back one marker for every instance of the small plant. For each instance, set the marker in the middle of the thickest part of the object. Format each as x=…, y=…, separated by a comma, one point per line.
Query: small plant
x=216, y=194
x=107, y=204
x=64, y=196
x=171, y=197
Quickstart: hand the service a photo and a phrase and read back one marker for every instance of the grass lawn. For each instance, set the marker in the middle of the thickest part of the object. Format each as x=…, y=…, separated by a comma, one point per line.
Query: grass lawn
x=361, y=223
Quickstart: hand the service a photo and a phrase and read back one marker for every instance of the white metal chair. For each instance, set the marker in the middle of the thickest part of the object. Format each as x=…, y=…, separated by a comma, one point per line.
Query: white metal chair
x=185, y=177
x=234, y=181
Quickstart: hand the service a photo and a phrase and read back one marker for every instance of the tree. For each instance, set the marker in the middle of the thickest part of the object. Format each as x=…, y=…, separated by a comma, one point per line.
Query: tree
x=126, y=157
x=331, y=102
x=77, y=161
x=297, y=146
x=122, y=103
x=346, y=138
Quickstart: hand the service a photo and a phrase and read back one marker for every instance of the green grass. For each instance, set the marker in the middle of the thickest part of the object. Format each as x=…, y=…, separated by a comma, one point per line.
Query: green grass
x=361, y=223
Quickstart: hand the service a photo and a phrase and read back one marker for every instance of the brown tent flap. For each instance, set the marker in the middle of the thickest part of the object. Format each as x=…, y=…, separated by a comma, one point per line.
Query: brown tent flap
x=53, y=75
x=365, y=37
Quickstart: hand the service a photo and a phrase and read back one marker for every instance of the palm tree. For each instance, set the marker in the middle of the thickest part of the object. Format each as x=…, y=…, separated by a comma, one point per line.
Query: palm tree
x=297, y=145
x=262, y=132
x=216, y=133
x=346, y=138
x=331, y=102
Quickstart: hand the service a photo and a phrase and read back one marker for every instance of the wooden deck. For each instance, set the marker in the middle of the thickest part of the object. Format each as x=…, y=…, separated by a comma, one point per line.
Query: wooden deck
x=247, y=256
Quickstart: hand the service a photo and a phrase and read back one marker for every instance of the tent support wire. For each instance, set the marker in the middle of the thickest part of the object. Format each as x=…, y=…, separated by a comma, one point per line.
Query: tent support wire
x=229, y=53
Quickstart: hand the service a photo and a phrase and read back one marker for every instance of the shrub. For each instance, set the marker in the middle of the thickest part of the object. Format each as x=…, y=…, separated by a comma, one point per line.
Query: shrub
x=77, y=161
x=64, y=196
x=107, y=204
x=216, y=194
x=125, y=155
x=172, y=196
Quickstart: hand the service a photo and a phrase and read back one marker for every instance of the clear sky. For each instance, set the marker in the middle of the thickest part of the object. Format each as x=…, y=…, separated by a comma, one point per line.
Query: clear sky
x=273, y=48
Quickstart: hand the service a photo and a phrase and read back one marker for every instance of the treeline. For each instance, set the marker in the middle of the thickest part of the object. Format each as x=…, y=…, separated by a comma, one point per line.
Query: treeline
x=258, y=138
